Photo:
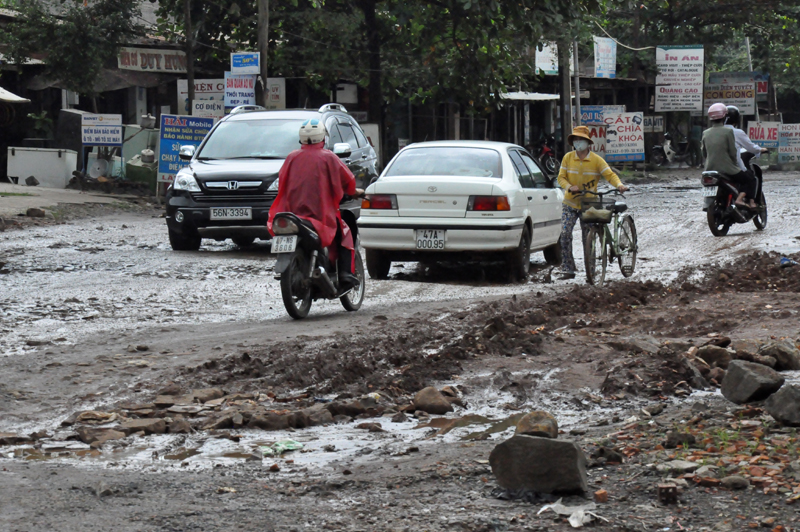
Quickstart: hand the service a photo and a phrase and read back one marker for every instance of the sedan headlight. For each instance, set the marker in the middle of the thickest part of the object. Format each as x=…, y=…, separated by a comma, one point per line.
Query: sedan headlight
x=273, y=187
x=186, y=181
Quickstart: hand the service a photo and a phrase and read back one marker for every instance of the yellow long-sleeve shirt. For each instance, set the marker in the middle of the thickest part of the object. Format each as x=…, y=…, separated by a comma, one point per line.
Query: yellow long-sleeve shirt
x=585, y=173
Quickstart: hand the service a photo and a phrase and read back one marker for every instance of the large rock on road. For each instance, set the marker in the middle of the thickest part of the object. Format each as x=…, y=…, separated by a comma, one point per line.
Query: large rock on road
x=747, y=381
x=784, y=405
x=541, y=465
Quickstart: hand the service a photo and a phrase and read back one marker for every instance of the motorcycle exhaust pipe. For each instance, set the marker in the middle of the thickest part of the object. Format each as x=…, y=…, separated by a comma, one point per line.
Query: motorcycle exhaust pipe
x=320, y=274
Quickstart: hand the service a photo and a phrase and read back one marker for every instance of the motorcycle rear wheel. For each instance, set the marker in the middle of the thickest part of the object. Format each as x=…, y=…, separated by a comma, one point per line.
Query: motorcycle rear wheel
x=352, y=301
x=658, y=158
x=296, y=288
x=717, y=228
x=760, y=219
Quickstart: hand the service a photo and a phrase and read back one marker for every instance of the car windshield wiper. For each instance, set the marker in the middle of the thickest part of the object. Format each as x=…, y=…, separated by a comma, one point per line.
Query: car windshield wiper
x=257, y=157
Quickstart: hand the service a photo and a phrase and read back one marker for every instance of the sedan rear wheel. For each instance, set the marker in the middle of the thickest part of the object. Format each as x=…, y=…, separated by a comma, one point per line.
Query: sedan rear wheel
x=519, y=260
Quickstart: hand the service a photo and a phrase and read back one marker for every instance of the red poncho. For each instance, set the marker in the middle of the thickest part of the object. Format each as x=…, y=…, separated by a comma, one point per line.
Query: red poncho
x=312, y=183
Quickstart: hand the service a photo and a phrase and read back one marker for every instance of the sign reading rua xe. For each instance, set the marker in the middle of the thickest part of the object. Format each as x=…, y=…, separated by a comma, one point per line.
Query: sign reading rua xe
x=151, y=60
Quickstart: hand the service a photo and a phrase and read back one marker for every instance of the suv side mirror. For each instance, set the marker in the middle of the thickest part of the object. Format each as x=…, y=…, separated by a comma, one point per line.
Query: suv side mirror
x=342, y=149
x=187, y=152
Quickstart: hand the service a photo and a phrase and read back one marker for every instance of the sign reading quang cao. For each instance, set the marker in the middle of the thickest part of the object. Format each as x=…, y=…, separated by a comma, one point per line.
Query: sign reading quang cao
x=679, y=84
x=177, y=131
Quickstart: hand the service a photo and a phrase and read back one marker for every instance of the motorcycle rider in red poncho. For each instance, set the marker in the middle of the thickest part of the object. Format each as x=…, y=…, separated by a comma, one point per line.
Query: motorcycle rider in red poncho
x=311, y=185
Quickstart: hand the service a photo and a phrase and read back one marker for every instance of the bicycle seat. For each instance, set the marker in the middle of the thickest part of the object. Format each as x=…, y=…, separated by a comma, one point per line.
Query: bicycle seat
x=619, y=207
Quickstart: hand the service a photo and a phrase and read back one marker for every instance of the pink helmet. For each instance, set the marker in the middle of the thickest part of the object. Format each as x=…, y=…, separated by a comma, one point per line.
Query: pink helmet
x=718, y=111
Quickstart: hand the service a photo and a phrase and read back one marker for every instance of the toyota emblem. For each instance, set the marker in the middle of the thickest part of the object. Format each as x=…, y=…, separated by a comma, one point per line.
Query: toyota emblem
x=233, y=185
x=432, y=189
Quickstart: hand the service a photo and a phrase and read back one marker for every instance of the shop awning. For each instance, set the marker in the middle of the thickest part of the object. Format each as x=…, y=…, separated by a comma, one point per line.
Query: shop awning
x=529, y=96
x=10, y=97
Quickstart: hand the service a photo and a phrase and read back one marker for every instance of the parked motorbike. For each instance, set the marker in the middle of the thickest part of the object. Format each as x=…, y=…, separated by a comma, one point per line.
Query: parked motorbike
x=306, y=272
x=719, y=193
x=547, y=155
x=667, y=153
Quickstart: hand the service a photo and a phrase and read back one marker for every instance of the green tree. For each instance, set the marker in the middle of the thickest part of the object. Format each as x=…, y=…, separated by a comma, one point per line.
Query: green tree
x=75, y=41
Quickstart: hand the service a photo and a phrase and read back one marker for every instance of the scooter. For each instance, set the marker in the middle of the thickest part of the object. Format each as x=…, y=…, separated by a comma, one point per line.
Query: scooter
x=665, y=153
x=719, y=194
x=306, y=272
x=547, y=155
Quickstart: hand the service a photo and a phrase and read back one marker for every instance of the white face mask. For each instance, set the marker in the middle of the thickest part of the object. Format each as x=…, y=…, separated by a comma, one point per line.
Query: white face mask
x=580, y=145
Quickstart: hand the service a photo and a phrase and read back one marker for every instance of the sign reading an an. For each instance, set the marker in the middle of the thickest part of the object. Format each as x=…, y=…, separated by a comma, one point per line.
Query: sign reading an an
x=742, y=95
x=177, y=131
x=789, y=143
x=101, y=130
x=246, y=63
x=239, y=90
x=765, y=134
x=624, y=137
x=151, y=60
x=605, y=58
x=679, y=84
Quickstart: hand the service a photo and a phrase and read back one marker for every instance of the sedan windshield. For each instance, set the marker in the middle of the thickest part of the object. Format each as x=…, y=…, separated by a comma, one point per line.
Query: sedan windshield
x=447, y=161
x=257, y=139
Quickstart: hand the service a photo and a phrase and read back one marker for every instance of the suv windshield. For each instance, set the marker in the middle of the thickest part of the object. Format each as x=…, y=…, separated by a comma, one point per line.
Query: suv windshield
x=462, y=162
x=265, y=138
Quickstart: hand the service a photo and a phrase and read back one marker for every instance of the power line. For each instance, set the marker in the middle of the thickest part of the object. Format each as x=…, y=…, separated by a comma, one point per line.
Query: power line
x=623, y=45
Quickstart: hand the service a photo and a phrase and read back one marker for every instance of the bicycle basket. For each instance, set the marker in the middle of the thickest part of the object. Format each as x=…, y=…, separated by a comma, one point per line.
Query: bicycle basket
x=597, y=210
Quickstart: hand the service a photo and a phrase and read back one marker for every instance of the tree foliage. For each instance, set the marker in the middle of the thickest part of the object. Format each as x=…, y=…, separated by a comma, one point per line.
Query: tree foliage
x=74, y=40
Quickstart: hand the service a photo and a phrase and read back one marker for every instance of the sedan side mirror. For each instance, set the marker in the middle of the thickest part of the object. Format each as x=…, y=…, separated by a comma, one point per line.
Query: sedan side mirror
x=187, y=152
x=342, y=149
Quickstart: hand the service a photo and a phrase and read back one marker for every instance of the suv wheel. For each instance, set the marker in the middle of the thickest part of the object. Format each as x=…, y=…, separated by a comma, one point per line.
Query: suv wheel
x=180, y=242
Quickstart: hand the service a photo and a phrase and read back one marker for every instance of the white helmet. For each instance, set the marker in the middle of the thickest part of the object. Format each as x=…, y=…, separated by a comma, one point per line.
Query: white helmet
x=312, y=131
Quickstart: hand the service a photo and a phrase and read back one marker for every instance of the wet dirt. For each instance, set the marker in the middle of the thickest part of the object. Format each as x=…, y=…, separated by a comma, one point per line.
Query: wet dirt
x=592, y=357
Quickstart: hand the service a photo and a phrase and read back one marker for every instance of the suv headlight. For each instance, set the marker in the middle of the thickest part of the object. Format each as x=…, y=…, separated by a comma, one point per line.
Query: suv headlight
x=186, y=181
x=273, y=187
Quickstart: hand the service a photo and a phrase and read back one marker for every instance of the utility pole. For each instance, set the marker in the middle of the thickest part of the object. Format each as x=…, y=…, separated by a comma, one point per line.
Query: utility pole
x=566, y=94
x=263, y=47
x=750, y=64
x=187, y=20
x=577, y=83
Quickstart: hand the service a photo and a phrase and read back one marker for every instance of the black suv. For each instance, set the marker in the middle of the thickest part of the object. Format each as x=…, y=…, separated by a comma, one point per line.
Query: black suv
x=232, y=178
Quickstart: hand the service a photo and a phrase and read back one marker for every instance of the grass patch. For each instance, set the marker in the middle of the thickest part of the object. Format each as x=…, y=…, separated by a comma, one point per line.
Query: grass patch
x=8, y=194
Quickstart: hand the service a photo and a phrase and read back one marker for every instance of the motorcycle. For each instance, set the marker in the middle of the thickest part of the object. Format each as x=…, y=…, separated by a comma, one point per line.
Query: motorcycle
x=719, y=194
x=306, y=272
x=665, y=153
x=547, y=155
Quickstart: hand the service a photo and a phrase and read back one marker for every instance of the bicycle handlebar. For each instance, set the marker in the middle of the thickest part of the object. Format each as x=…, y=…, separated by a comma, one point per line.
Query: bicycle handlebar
x=599, y=193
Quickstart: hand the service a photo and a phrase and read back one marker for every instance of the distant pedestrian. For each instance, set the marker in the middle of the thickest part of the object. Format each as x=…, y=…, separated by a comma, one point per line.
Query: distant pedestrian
x=696, y=146
x=581, y=170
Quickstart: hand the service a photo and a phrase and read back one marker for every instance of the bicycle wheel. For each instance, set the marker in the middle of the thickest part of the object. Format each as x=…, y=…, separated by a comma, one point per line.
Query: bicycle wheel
x=628, y=246
x=595, y=255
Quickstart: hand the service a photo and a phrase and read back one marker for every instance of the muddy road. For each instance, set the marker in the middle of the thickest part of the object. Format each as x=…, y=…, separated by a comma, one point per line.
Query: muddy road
x=99, y=314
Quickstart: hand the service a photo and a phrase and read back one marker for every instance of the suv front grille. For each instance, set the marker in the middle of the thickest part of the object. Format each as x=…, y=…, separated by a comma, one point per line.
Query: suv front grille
x=234, y=198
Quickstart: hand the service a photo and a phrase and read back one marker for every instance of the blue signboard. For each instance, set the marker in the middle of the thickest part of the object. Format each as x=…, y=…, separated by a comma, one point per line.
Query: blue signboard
x=246, y=63
x=592, y=115
x=177, y=131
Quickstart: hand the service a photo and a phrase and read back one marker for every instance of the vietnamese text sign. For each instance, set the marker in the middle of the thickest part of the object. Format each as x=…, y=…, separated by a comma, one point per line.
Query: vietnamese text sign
x=239, y=90
x=593, y=114
x=101, y=130
x=208, y=109
x=547, y=60
x=789, y=143
x=276, y=98
x=742, y=95
x=177, y=131
x=151, y=60
x=605, y=58
x=765, y=134
x=624, y=137
x=246, y=63
x=759, y=78
x=598, y=135
x=654, y=124
x=204, y=89
x=679, y=83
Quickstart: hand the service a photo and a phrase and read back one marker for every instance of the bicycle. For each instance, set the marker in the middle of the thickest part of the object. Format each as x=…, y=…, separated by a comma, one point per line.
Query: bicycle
x=610, y=236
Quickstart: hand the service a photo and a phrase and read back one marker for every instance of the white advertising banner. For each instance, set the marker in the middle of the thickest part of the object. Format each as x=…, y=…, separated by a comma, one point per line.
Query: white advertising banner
x=742, y=95
x=204, y=89
x=239, y=90
x=624, y=137
x=759, y=78
x=101, y=130
x=152, y=60
x=598, y=135
x=605, y=58
x=789, y=143
x=547, y=60
x=679, y=83
x=208, y=109
x=765, y=134
x=277, y=93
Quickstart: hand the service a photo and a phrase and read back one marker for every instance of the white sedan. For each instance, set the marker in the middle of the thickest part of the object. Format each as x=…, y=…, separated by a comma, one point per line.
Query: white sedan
x=461, y=200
